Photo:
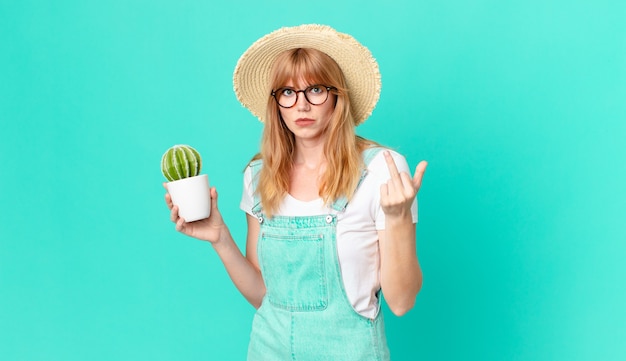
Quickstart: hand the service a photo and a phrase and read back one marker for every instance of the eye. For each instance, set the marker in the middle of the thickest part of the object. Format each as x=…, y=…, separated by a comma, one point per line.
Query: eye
x=287, y=92
x=316, y=89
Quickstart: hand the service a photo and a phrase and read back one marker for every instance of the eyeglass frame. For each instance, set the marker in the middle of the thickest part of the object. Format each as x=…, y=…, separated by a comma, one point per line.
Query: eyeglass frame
x=303, y=91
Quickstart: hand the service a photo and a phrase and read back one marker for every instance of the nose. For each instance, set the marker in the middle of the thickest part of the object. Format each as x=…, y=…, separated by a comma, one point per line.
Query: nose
x=301, y=102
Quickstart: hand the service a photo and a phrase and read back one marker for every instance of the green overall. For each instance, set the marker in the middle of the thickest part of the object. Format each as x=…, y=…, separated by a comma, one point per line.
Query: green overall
x=305, y=314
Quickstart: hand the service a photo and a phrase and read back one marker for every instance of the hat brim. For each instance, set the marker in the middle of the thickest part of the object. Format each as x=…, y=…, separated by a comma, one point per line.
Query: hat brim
x=252, y=73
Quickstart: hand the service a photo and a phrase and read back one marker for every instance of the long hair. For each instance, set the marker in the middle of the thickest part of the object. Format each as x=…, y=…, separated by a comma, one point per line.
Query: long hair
x=343, y=147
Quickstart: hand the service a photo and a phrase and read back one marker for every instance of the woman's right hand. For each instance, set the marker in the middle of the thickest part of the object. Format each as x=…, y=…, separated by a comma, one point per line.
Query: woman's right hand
x=208, y=229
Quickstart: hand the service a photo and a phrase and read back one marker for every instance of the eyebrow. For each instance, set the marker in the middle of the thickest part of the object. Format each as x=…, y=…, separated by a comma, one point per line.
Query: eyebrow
x=293, y=87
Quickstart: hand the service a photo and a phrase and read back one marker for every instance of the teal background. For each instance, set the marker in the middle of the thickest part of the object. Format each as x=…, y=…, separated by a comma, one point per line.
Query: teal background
x=519, y=107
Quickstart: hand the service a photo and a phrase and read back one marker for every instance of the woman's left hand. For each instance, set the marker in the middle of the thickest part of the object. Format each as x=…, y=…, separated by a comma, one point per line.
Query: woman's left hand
x=397, y=195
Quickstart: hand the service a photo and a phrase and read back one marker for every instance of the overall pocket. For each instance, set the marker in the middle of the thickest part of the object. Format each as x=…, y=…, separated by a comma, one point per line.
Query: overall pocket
x=294, y=271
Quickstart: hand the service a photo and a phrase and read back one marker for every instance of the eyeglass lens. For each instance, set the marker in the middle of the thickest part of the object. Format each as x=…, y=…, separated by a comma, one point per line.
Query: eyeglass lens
x=314, y=94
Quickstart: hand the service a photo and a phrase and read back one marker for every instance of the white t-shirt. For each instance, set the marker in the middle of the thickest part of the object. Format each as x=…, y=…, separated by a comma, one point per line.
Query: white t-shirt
x=357, y=226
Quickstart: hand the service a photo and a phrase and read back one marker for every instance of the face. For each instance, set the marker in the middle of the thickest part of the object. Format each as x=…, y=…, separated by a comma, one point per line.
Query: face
x=306, y=121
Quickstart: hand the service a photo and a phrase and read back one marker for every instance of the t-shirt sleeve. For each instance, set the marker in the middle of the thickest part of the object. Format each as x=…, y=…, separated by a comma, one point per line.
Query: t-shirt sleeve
x=247, y=197
x=378, y=167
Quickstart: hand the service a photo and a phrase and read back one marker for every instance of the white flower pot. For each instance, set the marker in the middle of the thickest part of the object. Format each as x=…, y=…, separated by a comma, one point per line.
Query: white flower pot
x=192, y=197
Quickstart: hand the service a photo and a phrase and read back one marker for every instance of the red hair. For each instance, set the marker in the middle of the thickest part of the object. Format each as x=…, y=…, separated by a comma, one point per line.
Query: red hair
x=343, y=147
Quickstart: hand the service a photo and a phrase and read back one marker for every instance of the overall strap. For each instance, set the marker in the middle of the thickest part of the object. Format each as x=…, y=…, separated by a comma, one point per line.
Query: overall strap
x=369, y=154
x=255, y=167
x=341, y=203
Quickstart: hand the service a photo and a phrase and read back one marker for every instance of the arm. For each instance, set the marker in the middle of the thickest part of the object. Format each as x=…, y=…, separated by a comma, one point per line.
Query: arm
x=243, y=270
x=400, y=272
x=401, y=275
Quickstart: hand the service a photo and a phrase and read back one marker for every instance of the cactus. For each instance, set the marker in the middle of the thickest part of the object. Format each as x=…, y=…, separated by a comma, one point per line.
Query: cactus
x=180, y=161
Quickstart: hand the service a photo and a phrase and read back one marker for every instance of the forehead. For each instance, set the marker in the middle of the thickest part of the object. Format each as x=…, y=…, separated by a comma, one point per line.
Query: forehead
x=300, y=83
x=299, y=74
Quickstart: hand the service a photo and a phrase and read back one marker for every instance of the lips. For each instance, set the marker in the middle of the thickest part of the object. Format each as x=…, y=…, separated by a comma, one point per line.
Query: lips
x=304, y=121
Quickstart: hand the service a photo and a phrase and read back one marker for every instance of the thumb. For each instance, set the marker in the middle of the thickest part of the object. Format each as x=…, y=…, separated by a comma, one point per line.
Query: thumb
x=419, y=174
x=213, y=192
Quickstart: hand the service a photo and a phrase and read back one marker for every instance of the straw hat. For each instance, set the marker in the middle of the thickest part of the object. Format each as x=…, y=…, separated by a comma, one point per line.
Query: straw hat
x=252, y=73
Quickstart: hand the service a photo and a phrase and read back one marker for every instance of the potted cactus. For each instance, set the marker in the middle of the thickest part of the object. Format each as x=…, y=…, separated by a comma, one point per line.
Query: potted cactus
x=181, y=165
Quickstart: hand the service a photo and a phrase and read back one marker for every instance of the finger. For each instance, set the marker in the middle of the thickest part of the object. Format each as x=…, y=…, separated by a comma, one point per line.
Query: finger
x=407, y=185
x=180, y=224
x=393, y=169
x=168, y=198
x=168, y=201
x=384, y=191
x=419, y=174
x=174, y=214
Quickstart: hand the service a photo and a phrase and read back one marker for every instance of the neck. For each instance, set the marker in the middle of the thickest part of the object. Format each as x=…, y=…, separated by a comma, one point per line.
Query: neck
x=309, y=154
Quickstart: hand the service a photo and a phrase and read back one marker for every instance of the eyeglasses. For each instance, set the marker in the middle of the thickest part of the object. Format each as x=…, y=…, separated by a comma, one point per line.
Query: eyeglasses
x=315, y=94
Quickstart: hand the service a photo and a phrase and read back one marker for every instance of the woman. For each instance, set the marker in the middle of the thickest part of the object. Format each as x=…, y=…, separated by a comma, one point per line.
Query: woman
x=331, y=216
